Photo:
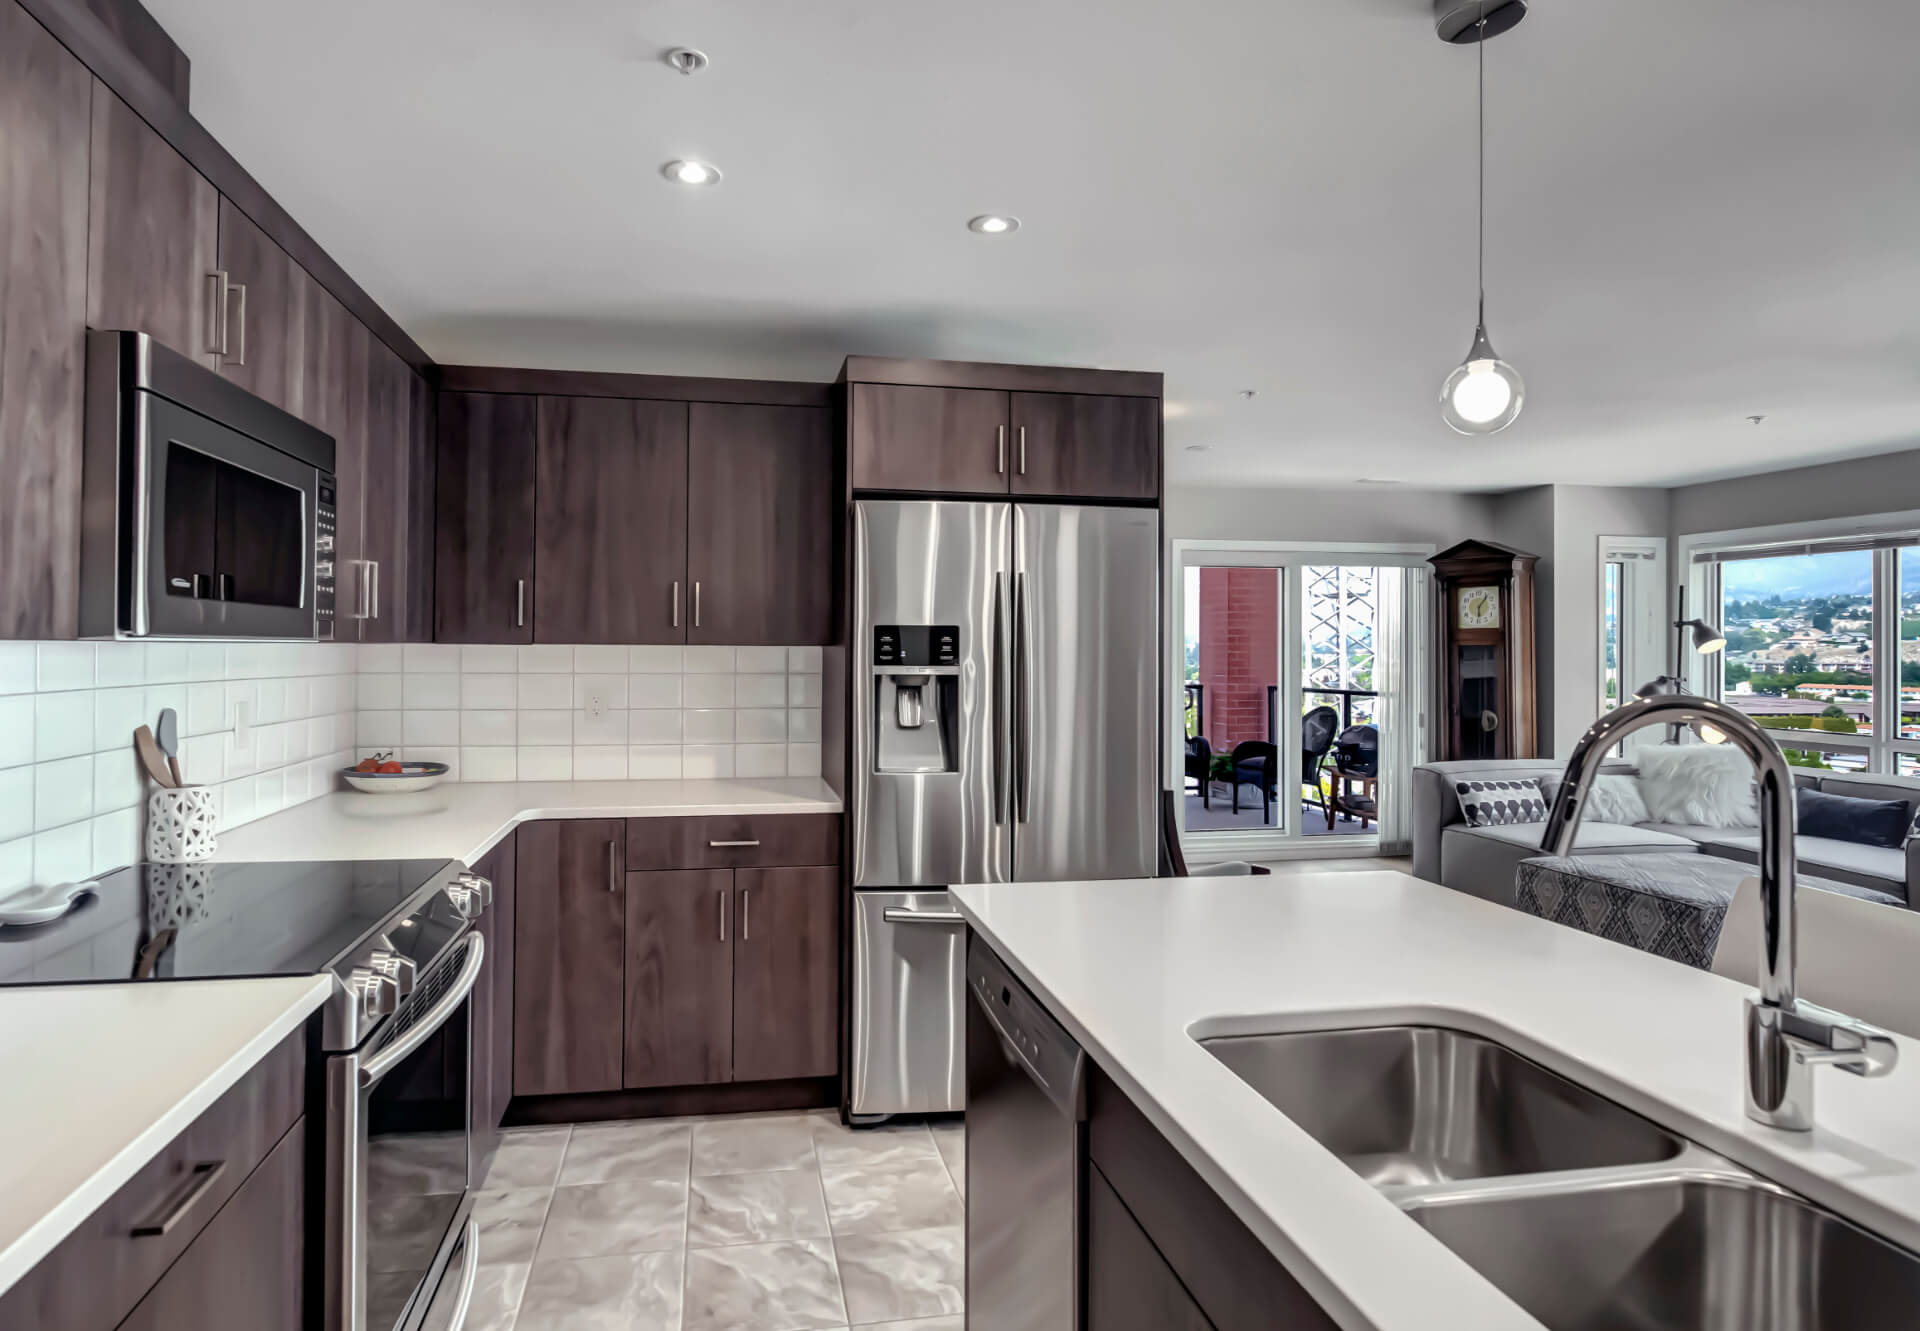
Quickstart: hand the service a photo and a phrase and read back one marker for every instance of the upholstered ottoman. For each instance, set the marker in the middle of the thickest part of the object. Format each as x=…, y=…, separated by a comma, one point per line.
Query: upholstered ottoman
x=1669, y=904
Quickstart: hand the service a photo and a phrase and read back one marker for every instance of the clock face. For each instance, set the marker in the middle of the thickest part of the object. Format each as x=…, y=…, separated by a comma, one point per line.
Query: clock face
x=1479, y=608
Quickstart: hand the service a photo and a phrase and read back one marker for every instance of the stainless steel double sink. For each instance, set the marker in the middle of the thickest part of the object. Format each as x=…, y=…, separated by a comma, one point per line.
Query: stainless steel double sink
x=1587, y=1215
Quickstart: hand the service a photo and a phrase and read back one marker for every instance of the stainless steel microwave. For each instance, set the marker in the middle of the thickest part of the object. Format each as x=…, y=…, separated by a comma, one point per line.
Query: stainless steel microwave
x=206, y=512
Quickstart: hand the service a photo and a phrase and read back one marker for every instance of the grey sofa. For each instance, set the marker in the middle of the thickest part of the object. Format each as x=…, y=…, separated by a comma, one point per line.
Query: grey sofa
x=1483, y=861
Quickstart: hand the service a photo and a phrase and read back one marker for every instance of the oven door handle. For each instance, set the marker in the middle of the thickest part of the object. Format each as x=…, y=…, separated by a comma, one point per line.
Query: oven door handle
x=467, y=1277
x=387, y=1059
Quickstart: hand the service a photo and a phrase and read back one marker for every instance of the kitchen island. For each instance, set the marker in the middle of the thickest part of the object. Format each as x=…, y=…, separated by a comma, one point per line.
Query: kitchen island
x=1138, y=971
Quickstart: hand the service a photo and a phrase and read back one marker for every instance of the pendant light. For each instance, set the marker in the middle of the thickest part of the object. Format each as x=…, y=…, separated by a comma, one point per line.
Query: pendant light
x=1484, y=394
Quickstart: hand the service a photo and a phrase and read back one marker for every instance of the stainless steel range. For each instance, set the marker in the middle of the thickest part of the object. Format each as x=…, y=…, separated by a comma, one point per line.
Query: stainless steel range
x=393, y=1070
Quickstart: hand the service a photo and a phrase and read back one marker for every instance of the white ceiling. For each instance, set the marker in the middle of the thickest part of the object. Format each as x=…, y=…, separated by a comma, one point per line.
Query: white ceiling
x=1699, y=209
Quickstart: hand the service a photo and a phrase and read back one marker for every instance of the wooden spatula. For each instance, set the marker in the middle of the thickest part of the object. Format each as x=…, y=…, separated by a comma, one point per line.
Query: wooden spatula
x=151, y=758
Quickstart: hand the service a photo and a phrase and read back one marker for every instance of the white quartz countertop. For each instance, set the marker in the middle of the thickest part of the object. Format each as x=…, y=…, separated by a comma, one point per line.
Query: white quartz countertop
x=1135, y=969
x=464, y=820
x=96, y=1079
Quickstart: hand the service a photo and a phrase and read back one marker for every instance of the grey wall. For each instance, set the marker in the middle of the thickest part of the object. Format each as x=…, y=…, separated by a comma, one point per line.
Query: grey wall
x=1582, y=514
x=1889, y=483
x=1363, y=514
x=1523, y=519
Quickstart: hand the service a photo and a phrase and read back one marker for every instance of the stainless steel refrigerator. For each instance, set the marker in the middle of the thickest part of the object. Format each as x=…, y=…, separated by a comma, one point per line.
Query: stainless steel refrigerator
x=1005, y=681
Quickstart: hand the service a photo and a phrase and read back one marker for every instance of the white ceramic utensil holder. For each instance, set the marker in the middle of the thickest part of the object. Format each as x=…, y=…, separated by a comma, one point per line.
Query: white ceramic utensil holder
x=180, y=825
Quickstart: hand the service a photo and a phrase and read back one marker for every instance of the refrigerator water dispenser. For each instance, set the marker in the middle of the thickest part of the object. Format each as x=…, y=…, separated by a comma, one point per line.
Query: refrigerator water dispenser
x=916, y=698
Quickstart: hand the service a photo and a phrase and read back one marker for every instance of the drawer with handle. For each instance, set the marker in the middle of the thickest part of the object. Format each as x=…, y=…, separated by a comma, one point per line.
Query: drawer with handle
x=731, y=842
x=101, y=1270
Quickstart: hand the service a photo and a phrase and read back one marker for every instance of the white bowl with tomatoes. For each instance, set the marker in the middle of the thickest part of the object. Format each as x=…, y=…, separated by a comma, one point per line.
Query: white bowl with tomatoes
x=382, y=774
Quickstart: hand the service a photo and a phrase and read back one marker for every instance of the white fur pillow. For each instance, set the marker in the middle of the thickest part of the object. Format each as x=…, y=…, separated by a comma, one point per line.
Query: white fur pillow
x=1709, y=785
x=1614, y=799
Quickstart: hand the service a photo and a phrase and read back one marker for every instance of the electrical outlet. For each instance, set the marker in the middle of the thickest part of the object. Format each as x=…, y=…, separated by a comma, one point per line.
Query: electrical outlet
x=242, y=725
x=596, y=706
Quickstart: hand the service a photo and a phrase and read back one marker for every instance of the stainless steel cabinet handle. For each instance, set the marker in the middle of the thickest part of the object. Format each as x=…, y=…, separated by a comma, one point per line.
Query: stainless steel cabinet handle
x=1023, y=450
x=613, y=866
x=373, y=567
x=198, y=1183
x=901, y=915
x=722, y=894
x=696, y=604
x=520, y=604
x=676, y=603
x=720, y=844
x=1001, y=465
x=217, y=312
x=363, y=603
x=241, y=287
x=746, y=913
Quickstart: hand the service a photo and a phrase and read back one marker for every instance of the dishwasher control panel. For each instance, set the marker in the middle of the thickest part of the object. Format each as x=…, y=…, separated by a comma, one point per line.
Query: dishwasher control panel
x=1027, y=1030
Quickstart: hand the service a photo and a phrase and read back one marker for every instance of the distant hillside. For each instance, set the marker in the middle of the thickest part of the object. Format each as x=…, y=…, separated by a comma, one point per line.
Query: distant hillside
x=1793, y=579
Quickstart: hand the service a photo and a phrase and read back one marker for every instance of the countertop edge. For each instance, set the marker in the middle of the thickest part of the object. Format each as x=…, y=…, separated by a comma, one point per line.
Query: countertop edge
x=40, y=1238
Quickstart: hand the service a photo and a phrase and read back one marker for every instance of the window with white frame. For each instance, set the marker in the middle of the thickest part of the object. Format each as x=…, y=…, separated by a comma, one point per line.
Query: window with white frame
x=1823, y=644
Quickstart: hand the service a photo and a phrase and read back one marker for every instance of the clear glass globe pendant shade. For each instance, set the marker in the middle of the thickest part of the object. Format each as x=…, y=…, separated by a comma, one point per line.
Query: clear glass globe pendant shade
x=1484, y=394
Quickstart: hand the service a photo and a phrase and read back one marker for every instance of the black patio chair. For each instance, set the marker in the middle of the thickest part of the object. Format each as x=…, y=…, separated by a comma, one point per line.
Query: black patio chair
x=1255, y=763
x=1200, y=768
x=1316, y=742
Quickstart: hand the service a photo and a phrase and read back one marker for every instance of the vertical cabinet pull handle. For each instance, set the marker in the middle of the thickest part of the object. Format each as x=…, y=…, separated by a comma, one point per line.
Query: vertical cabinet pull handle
x=676, y=603
x=373, y=565
x=613, y=866
x=1001, y=465
x=241, y=357
x=1023, y=450
x=696, y=604
x=520, y=604
x=746, y=914
x=722, y=895
x=217, y=312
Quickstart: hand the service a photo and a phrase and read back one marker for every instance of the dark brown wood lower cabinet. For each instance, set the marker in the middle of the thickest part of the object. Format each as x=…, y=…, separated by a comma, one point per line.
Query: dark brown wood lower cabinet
x=248, y=1267
x=1130, y=1287
x=679, y=1009
x=786, y=973
x=569, y=956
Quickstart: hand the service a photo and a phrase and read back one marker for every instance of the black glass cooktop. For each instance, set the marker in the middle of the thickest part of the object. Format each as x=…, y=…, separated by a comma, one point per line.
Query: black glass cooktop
x=222, y=921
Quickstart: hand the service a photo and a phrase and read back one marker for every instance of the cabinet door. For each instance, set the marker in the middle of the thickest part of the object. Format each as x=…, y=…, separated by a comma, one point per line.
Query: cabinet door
x=153, y=234
x=568, y=956
x=679, y=978
x=416, y=623
x=760, y=518
x=950, y=440
x=1130, y=1287
x=248, y=1267
x=389, y=476
x=1082, y=446
x=610, y=562
x=483, y=518
x=45, y=113
x=333, y=398
x=266, y=312
x=786, y=973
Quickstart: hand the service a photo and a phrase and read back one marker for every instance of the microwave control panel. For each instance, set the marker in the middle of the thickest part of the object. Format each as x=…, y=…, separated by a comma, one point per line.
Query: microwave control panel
x=323, y=538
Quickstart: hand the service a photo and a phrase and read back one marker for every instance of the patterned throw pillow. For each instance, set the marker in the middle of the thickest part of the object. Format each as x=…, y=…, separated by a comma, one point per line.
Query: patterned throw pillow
x=1495, y=803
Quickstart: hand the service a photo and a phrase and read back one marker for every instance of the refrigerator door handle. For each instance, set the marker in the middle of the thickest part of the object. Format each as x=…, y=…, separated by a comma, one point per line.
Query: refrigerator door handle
x=1022, y=741
x=1001, y=777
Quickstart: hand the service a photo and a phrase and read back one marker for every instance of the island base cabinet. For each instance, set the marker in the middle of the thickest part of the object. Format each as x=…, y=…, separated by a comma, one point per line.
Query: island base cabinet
x=246, y=1268
x=1130, y=1287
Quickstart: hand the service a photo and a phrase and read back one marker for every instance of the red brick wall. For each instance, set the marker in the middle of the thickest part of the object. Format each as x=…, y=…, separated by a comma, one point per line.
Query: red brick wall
x=1239, y=651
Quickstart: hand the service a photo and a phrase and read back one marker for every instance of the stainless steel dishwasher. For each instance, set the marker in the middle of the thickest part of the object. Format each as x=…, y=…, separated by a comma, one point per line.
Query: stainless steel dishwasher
x=1026, y=1157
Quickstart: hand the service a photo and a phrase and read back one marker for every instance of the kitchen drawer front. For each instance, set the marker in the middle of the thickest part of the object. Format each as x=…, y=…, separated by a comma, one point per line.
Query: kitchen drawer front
x=746, y=842
x=100, y=1271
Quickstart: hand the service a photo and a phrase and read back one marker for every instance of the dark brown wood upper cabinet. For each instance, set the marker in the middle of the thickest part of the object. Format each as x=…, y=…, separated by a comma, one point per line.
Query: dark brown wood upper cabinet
x=760, y=518
x=679, y=1010
x=1083, y=446
x=610, y=530
x=786, y=973
x=390, y=474
x=483, y=518
x=951, y=440
x=334, y=397
x=153, y=234
x=569, y=956
x=45, y=112
x=266, y=312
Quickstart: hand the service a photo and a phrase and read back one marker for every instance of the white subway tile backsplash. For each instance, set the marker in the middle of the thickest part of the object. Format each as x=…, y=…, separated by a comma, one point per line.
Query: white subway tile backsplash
x=63, y=854
x=803, y=760
x=609, y=690
x=709, y=725
x=119, y=782
x=377, y=730
x=65, y=665
x=18, y=667
x=707, y=690
x=545, y=691
x=380, y=658
x=760, y=660
x=430, y=656
x=600, y=762
x=488, y=728
x=62, y=792
x=156, y=698
x=116, y=840
x=480, y=692
x=116, y=664
x=167, y=663
x=653, y=690
x=545, y=660
x=803, y=725
x=760, y=760
x=546, y=727
x=203, y=758
x=63, y=725
x=487, y=763
x=206, y=709
x=206, y=660
x=708, y=661
x=655, y=727
x=803, y=660
x=117, y=713
x=486, y=660
x=706, y=761
x=654, y=660
x=429, y=691
x=16, y=730
x=544, y=763
x=760, y=726
x=760, y=690
x=601, y=660
x=803, y=690
x=608, y=726
x=16, y=803
x=430, y=727
x=653, y=762
x=16, y=864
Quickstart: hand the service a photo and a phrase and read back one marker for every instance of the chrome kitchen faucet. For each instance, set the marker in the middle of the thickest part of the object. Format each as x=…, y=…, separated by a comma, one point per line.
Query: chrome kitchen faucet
x=1787, y=1037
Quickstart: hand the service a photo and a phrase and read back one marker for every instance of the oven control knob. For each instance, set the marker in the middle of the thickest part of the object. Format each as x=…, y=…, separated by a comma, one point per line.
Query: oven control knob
x=378, y=995
x=483, y=886
x=470, y=895
x=401, y=970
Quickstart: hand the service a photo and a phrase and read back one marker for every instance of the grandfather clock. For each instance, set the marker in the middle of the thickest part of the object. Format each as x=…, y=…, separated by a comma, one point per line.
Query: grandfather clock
x=1486, y=661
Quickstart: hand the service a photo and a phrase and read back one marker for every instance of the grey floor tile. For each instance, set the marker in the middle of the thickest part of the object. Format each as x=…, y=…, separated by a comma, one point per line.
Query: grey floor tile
x=528, y=1158
x=957, y=1323
x=755, y=1208
x=838, y=1144
x=404, y=1232
x=951, y=1139
x=639, y=1292
x=882, y=1196
x=510, y=1221
x=640, y=1150
x=746, y=1144
x=787, y=1286
x=619, y=1216
x=897, y=1277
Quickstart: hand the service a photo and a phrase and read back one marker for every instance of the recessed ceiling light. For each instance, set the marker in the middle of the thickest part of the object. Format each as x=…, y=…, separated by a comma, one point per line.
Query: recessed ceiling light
x=993, y=224
x=691, y=172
